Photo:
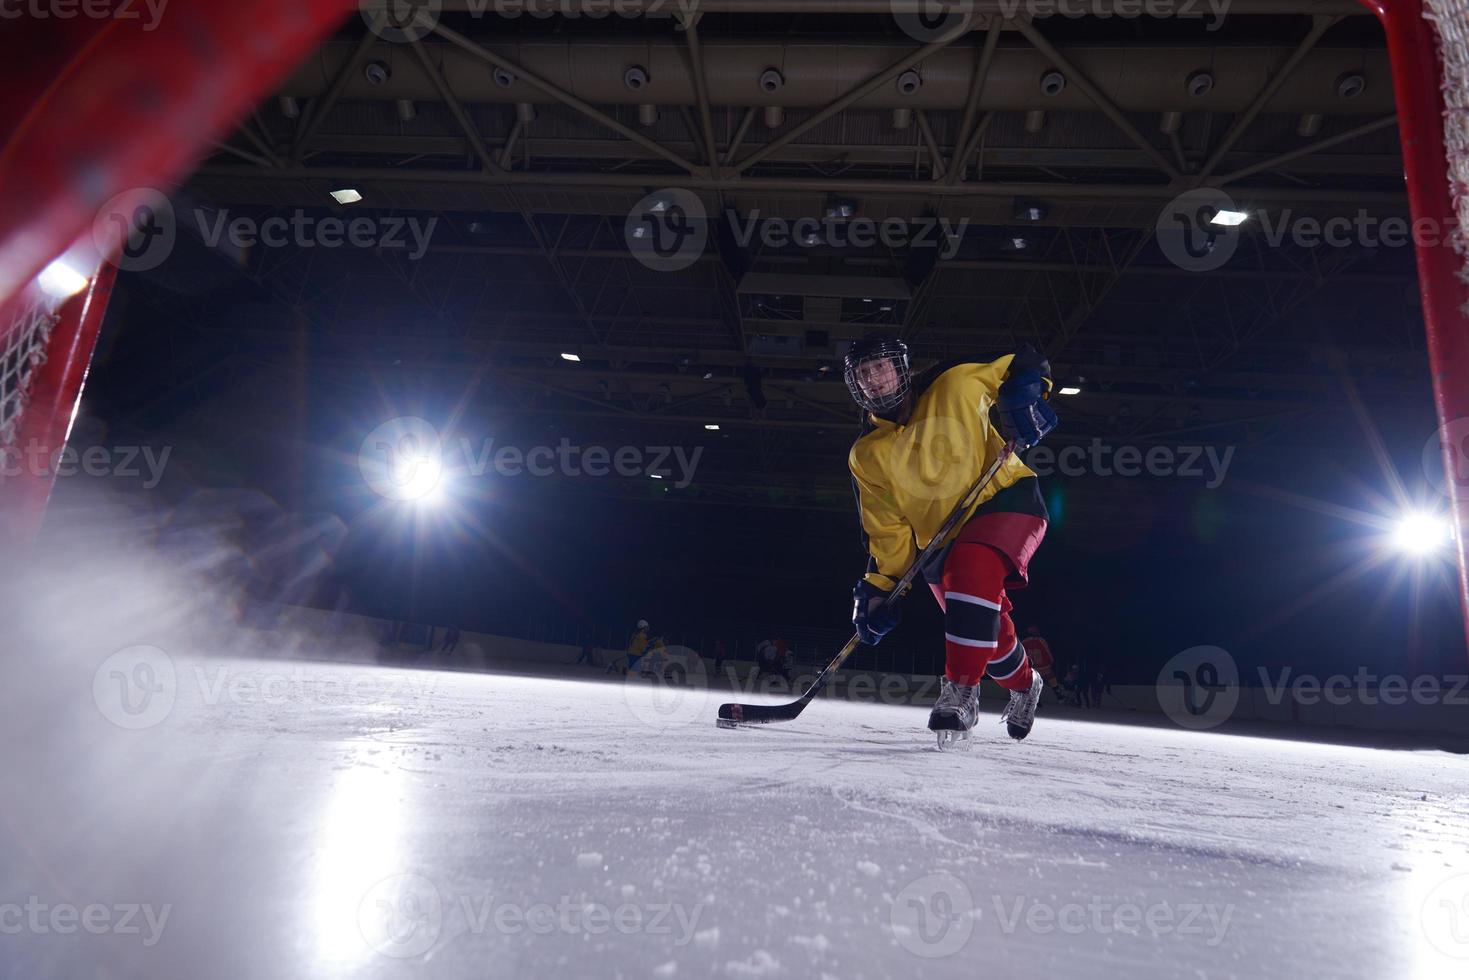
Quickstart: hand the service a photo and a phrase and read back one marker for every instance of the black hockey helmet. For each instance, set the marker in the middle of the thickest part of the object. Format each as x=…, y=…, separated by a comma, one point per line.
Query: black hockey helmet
x=866, y=369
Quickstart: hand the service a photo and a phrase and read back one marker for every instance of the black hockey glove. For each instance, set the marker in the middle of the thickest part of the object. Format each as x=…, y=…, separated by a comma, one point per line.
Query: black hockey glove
x=873, y=622
x=1025, y=415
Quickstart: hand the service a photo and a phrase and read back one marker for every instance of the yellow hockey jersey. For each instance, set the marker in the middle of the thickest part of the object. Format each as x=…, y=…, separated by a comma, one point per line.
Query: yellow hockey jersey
x=910, y=477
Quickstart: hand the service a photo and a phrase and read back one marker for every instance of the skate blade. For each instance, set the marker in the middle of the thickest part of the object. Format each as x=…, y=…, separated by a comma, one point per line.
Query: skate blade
x=949, y=741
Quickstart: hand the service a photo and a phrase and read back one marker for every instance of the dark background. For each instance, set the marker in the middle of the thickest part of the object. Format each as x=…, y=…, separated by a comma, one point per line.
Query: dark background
x=265, y=368
x=1133, y=570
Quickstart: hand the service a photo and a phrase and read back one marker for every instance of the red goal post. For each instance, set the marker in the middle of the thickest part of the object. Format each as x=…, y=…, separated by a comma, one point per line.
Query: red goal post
x=1428, y=44
x=93, y=106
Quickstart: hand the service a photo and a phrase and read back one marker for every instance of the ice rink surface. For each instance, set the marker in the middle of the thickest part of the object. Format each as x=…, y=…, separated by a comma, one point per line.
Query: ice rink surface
x=279, y=820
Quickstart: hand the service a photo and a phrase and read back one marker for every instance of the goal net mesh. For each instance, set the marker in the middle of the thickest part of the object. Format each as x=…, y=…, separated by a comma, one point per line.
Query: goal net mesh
x=1450, y=19
x=25, y=337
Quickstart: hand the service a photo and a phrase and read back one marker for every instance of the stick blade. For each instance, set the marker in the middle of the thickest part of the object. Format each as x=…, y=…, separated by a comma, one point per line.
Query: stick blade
x=735, y=715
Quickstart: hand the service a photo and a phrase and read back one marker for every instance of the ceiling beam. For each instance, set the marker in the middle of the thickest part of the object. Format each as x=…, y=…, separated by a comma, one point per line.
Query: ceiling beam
x=1099, y=193
x=841, y=102
x=1319, y=26
x=1106, y=106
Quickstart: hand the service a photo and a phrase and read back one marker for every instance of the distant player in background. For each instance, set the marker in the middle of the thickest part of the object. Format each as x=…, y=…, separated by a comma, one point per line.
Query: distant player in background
x=1071, y=686
x=587, y=654
x=1039, y=652
x=924, y=443
x=1098, y=685
x=768, y=660
x=636, y=646
x=657, y=657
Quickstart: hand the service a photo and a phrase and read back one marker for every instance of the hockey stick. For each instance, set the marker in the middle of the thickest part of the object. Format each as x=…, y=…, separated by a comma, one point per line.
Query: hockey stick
x=734, y=715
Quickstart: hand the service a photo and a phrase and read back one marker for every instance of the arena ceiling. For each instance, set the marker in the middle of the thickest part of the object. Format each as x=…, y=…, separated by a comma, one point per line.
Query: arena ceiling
x=1039, y=152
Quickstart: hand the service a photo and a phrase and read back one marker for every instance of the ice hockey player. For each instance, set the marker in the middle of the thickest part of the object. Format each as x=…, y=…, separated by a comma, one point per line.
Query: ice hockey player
x=924, y=443
x=637, y=644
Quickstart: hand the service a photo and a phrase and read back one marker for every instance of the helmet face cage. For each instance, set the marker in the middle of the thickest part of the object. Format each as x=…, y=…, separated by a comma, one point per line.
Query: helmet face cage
x=863, y=356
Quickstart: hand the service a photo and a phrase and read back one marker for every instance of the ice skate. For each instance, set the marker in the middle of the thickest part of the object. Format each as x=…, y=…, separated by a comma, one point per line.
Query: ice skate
x=954, y=713
x=1019, y=714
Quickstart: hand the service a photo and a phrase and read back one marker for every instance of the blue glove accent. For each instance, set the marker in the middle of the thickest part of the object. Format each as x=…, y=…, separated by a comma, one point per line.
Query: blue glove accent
x=1025, y=415
x=873, y=624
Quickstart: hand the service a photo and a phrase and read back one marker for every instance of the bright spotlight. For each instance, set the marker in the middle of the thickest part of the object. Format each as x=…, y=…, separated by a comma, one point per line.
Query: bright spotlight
x=418, y=477
x=1229, y=219
x=1422, y=534
x=432, y=497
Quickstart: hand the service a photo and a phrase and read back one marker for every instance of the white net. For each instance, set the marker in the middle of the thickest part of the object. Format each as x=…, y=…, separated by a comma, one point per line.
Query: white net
x=23, y=345
x=1450, y=20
